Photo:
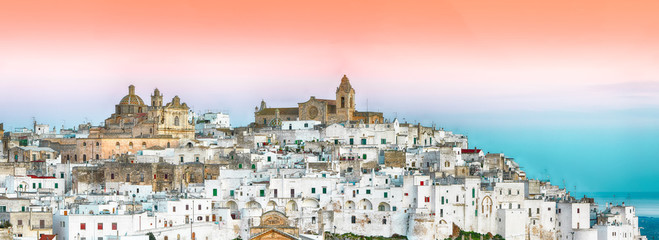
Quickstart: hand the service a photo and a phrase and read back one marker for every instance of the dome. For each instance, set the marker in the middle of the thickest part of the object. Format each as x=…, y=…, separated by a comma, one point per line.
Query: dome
x=131, y=98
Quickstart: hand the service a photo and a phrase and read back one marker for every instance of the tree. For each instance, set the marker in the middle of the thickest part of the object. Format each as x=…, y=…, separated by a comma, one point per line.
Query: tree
x=151, y=236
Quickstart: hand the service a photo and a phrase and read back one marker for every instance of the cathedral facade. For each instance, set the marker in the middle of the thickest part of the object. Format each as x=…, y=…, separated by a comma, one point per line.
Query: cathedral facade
x=134, y=119
x=327, y=111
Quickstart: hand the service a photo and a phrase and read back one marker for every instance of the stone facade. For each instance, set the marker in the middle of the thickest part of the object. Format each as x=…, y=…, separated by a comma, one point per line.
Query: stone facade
x=133, y=118
x=327, y=111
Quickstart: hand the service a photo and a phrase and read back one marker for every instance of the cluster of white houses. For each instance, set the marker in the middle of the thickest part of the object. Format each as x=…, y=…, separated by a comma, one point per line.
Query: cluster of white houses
x=292, y=179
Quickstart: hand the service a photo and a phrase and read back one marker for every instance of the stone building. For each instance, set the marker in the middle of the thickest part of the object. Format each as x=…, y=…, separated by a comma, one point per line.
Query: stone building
x=133, y=118
x=327, y=111
x=274, y=225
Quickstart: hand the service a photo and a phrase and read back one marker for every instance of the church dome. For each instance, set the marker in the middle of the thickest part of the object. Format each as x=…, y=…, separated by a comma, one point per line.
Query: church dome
x=131, y=98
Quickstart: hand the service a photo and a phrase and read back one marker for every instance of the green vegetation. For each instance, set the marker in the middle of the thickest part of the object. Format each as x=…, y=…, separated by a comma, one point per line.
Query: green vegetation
x=352, y=236
x=476, y=236
x=151, y=236
x=5, y=224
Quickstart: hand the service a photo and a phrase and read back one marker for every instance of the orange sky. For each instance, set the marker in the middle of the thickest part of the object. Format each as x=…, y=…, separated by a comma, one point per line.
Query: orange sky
x=520, y=53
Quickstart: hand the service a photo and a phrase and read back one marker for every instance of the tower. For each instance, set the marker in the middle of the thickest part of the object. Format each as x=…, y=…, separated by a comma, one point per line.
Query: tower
x=345, y=100
x=156, y=98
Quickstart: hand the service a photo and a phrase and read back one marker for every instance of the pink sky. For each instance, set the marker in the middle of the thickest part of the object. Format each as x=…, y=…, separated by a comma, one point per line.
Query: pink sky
x=507, y=55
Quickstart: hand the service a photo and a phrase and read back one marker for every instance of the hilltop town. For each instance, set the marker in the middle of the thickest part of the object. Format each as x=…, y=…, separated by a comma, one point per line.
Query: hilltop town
x=159, y=170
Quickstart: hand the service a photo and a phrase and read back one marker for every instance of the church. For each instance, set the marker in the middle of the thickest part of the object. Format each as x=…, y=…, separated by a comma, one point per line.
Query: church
x=134, y=119
x=327, y=111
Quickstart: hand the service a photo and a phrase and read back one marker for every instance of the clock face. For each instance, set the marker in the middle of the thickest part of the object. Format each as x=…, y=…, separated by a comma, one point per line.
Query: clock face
x=313, y=112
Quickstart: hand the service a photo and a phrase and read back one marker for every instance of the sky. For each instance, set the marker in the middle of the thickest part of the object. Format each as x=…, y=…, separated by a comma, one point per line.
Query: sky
x=568, y=88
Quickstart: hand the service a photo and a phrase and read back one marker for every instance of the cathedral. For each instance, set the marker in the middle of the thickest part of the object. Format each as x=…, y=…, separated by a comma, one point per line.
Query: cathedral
x=134, y=119
x=327, y=111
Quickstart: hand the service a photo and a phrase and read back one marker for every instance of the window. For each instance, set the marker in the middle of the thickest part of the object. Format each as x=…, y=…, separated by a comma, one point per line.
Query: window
x=215, y=192
x=253, y=166
x=20, y=223
x=173, y=209
x=269, y=159
x=384, y=221
x=383, y=141
x=83, y=226
x=385, y=194
x=473, y=192
x=313, y=190
x=176, y=121
x=100, y=226
x=353, y=219
x=199, y=206
x=22, y=208
x=231, y=193
x=261, y=193
x=363, y=141
x=187, y=207
x=240, y=165
x=324, y=190
x=577, y=210
x=352, y=141
x=368, y=191
x=427, y=199
x=56, y=185
x=364, y=156
x=111, y=175
x=130, y=145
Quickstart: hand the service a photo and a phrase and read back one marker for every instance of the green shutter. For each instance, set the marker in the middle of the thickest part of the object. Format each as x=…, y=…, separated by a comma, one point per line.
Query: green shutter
x=262, y=193
x=39, y=185
x=313, y=190
x=240, y=165
x=414, y=140
x=253, y=166
x=368, y=191
x=61, y=175
x=442, y=200
x=364, y=156
x=352, y=141
x=22, y=208
x=383, y=141
x=56, y=185
x=336, y=141
x=269, y=158
x=34, y=185
x=473, y=192
x=324, y=190
x=364, y=141
x=231, y=193
x=215, y=192
x=385, y=195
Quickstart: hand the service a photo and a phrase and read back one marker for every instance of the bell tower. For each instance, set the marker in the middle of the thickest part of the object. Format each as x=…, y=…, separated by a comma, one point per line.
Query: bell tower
x=156, y=98
x=345, y=100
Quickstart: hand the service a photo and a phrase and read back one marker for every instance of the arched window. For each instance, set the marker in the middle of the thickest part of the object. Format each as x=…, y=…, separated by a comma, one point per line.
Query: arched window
x=168, y=145
x=343, y=102
x=84, y=157
x=97, y=157
x=253, y=166
x=176, y=121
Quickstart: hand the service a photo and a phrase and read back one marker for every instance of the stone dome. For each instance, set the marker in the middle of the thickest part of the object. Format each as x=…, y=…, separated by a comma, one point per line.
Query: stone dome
x=131, y=98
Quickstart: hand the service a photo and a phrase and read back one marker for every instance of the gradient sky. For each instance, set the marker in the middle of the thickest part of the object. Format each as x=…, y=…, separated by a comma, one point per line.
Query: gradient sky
x=552, y=83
